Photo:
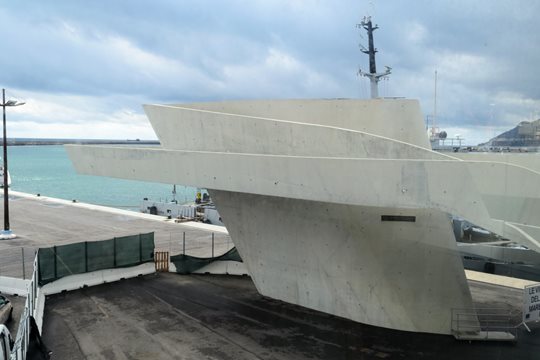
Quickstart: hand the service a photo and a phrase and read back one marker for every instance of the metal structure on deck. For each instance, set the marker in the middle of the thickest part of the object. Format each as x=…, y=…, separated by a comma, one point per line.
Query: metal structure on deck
x=485, y=324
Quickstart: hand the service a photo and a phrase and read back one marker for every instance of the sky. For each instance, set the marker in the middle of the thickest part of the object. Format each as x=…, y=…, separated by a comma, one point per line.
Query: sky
x=84, y=68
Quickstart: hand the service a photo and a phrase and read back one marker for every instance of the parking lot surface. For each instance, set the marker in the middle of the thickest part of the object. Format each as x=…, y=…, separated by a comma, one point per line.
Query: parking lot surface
x=170, y=316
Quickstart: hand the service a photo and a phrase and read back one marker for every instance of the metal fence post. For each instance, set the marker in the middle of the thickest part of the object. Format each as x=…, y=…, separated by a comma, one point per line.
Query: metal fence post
x=55, y=270
x=114, y=252
x=23, y=270
x=86, y=256
x=140, y=249
x=37, y=266
x=212, y=245
x=184, y=244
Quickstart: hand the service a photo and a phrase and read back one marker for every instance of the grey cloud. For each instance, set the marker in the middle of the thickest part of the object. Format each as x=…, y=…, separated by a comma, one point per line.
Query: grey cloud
x=208, y=50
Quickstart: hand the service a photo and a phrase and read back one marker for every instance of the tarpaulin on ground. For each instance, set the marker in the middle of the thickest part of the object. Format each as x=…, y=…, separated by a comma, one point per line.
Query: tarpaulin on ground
x=186, y=264
x=63, y=260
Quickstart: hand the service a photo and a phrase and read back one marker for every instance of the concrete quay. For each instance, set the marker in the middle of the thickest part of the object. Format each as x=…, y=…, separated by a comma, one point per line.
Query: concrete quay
x=43, y=222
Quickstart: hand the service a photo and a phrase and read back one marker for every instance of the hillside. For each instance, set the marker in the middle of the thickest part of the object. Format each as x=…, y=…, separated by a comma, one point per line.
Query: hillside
x=525, y=134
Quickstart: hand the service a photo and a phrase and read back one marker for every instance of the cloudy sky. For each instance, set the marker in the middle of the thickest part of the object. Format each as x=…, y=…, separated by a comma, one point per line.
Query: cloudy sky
x=85, y=67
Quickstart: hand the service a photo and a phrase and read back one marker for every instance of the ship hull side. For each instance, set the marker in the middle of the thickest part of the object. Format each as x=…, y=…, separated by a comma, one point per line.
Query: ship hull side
x=343, y=260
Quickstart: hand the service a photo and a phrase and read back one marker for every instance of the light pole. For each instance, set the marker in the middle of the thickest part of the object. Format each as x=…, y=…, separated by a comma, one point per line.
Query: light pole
x=6, y=233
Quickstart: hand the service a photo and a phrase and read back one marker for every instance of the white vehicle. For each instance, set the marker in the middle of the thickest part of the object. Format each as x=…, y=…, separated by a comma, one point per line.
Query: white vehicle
x=6, y=310
x=5, y=343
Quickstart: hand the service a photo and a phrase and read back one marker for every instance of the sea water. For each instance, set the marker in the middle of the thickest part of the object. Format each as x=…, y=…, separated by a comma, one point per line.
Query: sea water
x=47, y=170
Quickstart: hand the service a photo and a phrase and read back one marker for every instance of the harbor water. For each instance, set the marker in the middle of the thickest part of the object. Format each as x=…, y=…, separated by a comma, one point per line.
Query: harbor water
x=47, y=170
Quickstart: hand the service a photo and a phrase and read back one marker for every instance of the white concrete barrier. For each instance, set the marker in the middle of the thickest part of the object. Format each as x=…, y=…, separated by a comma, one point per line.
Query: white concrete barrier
x=93, y=278
x=39, y=309
x=13, y=286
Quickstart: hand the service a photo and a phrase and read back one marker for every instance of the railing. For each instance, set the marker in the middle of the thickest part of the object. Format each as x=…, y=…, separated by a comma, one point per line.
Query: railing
x=83, y=257
x=16, y=262
x=20, y=347
x=498, y=324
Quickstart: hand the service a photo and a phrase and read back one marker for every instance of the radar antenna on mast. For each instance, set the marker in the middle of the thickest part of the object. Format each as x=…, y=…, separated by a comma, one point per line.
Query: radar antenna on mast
x=373, y=76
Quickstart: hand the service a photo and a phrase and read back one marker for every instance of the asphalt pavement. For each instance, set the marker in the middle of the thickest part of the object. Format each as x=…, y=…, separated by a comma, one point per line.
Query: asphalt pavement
x=171, y=316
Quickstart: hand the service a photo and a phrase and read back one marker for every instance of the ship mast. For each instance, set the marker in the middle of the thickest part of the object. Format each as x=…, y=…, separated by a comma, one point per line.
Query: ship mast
x=373, y=76
x=434, y=119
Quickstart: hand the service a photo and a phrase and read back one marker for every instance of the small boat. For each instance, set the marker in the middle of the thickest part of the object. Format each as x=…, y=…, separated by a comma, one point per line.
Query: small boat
x=2, y=177
x=202, y=209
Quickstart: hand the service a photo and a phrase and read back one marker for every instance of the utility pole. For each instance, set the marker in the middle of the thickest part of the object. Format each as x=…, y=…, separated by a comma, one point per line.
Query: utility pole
x=5, y=170
x=434, y=120
x=6, y=233
x=373, y=76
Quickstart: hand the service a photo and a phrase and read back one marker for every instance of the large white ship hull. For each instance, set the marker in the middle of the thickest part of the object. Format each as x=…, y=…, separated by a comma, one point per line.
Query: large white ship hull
x=344, y=260
x=336, y=205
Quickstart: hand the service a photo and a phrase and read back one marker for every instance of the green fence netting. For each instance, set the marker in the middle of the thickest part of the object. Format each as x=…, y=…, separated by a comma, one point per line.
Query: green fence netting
x=59, y=261
x=186, y=264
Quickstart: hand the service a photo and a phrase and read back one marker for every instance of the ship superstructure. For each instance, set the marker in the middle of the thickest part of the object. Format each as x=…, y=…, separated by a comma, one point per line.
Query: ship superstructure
x=337, y=205
x=329, y=207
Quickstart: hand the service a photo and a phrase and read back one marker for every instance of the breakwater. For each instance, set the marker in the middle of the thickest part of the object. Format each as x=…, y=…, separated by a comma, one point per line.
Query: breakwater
x=38, y=141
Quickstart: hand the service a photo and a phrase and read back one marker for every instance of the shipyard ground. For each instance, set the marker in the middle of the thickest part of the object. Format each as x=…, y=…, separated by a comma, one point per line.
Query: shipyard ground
x=170, y=316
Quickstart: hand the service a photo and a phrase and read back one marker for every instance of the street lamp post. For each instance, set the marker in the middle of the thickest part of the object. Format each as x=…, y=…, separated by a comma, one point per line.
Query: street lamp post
x=6, y=233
